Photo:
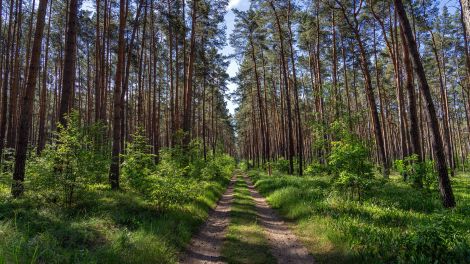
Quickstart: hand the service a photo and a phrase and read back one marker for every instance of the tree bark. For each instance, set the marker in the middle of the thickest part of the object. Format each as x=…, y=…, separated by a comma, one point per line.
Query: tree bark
x=43, y=94
x=116, y=148
x=189, y=82
x=445, y=187
x=68, y=81
x=17, y=187
x=287, y=93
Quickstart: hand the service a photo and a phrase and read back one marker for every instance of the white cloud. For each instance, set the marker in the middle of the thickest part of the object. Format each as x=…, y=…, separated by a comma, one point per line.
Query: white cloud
x=233, y=3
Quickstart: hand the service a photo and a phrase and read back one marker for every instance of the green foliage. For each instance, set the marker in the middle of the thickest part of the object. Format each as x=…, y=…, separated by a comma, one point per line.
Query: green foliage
x=394, y=224
x=170, y=192
x=68, y=166
x=349, y=162
x=138, y=163
x=218, y=167
x=178, y=176
x=421, y=174
x=282, y=165
x=148, y=221
x=316, y=168
x=437, y=242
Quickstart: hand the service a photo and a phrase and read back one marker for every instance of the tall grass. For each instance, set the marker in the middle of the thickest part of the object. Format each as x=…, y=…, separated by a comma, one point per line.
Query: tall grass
x=105, y=227
x=395, y=223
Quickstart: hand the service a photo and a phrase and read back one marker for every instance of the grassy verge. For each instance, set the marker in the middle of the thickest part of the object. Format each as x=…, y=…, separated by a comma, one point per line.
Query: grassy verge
x=245, y=241
x=394, y=224
x=105, y=227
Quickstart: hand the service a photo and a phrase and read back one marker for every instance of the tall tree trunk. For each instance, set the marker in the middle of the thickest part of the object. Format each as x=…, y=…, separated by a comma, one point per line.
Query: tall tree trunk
x=189, y=82
x=379, y=137
x=43, y=94
x=413, y=112
x=6, y=78
x=290, y=131
x=17, y=187
x=445, y=187
x=116, y=149
x=68, y=81
x=300, y=138
x=15, y=81
x=465, y=5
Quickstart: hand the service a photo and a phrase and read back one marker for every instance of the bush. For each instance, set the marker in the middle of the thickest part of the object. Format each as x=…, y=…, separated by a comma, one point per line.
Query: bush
x=218, y=167
x=282, y=165
x=138, y=163
x=69, y=165
x=349, y=162
x=317, y=168
x=421, y=174
x=167, y=192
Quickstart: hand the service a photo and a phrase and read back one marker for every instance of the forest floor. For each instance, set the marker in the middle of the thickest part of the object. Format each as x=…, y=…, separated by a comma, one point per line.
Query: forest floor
x=394, y=223
x=103, y=227
x=244, y=229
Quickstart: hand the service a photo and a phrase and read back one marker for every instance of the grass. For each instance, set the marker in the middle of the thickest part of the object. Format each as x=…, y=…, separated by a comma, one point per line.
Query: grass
x=104, y=227
x=245, y=241
x=394, y=224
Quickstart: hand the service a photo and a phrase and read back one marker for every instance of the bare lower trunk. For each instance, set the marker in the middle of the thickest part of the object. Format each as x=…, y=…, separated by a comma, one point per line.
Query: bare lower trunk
x=27, y=104
x=116, y=148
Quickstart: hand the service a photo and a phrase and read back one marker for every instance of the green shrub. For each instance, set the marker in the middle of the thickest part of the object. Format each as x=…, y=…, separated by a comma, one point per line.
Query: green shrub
x=282, y=165
x=317, y=168
x=349, y=162
x=421, y=174
x=168, y=192
x=218, y=167
x=138, y=163
x=67, y=166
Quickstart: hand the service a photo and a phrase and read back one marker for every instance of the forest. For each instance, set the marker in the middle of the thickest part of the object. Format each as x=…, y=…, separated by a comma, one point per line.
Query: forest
x=234, y=131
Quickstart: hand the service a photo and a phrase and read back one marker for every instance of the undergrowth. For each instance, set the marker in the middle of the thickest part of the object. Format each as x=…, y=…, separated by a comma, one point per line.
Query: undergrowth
x=69, y=214
x=393, y=223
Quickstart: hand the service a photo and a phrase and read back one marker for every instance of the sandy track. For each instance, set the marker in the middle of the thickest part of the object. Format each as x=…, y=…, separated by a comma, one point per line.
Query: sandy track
x=206, y=245
x=285, y=246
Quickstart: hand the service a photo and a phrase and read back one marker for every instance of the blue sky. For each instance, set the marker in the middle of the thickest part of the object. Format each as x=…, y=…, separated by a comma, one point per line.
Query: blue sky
x=229, y=22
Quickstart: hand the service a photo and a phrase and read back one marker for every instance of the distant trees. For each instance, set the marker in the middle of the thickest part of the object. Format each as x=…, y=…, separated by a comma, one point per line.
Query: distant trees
x=159, y=71
x=331, y=63
x=305, y=69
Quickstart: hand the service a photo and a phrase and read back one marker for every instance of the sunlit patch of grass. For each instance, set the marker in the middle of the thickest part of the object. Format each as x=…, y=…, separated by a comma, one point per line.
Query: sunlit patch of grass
x=381, y=229
x=245, y=241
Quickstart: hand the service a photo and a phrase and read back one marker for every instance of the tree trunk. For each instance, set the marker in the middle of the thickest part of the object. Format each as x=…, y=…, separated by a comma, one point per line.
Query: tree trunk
x=287, y=93
x=379, y=137
x=189, y=82
x=17, y=187
x=43, y=95
x=116, y=148
x=438, y=146
x=465, y=5
x=68, y=81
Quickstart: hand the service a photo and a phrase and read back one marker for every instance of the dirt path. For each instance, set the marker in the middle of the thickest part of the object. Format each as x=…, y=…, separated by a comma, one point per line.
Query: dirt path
x=205, y=247
x=284, y=244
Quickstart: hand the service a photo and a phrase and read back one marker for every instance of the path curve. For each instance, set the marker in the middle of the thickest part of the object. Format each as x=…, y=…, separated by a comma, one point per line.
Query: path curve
x=205, y=247
x=285, y=246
